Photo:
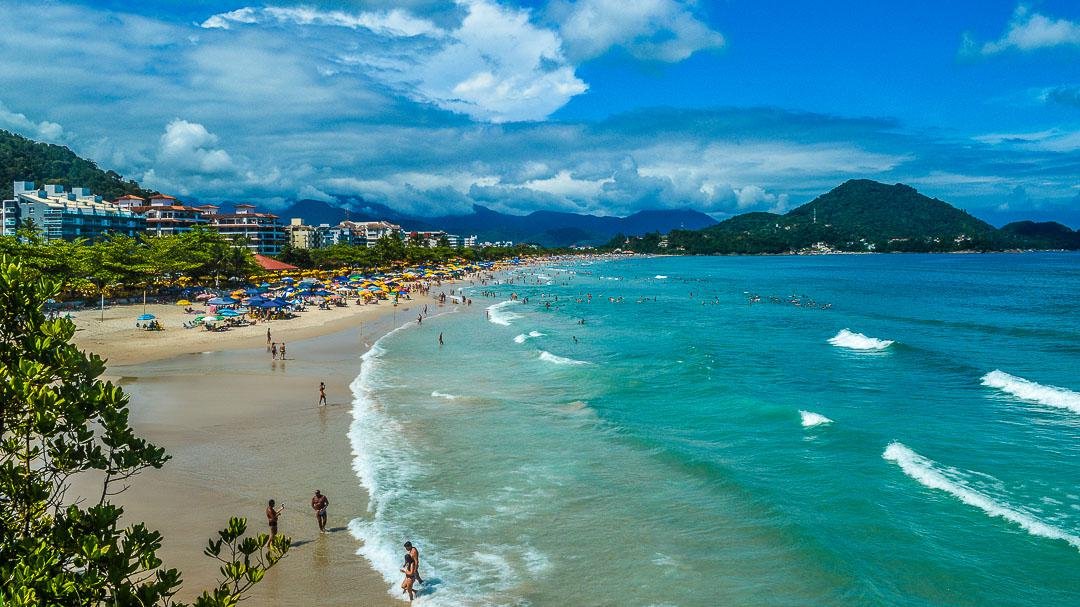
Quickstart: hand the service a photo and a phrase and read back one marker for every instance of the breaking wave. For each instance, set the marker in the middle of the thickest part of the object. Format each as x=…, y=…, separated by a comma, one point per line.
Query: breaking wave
x=857, y=341
x=1032, y=392
x=500, y=315
x=930, y=475
x=811, y=419
x=559, y=360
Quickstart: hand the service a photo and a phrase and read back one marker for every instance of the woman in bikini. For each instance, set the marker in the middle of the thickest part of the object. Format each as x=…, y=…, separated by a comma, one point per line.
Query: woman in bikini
x=409, y=569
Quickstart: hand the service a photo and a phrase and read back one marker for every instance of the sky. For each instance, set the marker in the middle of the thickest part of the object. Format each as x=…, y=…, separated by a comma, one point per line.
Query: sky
x=592, y=106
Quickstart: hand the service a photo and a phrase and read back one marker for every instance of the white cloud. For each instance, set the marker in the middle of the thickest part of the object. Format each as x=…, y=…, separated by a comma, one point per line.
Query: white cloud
x=495, y=65
x=660, y=30
x=19, y=123
x=1030, y=31
x=1049, y=140
x=390, y=23
x=187, y=146
x=498, y=67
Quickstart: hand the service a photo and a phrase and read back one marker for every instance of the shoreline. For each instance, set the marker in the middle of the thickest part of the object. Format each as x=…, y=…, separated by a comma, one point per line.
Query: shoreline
x=240, y=429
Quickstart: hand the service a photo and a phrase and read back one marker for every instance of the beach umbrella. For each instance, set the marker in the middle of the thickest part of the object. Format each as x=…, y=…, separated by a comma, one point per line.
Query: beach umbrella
x=229, y=313
x=265, y=285
x=183, y=302
x=223, y=301
x=202, y=296
x=288, y=279
x=146, y=317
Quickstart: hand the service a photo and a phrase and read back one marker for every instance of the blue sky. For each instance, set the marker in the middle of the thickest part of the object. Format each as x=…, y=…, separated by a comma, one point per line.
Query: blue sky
x=599, y=106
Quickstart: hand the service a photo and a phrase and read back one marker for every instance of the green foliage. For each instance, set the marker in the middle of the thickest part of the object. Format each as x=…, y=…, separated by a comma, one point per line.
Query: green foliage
x=24, y=160
x=123, y=262
x=58, y=419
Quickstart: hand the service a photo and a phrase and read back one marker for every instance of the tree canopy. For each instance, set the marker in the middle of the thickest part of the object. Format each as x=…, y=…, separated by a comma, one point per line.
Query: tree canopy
x=59, y=419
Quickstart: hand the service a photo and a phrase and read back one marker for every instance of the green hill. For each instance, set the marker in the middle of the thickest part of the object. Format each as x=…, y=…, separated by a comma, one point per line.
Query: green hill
x=862, y=216
x=22, y=159
x=1044, y=234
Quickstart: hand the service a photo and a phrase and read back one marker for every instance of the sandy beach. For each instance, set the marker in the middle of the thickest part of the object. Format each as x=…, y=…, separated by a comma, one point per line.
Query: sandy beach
x=242, y=428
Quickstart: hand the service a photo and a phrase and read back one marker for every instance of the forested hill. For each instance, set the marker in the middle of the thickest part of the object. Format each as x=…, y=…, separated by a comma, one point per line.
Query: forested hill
x=859, y=216
x=22, y=159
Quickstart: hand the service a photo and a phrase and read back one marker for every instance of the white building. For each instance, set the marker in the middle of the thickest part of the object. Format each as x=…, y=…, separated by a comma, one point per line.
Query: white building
x=59, y=214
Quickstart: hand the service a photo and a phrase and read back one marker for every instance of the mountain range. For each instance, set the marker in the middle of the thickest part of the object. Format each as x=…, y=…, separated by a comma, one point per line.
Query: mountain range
x=861, y=215
x=547, y=228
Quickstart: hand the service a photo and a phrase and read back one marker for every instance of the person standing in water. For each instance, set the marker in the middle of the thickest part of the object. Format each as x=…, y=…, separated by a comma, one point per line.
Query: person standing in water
x=322, y=394
x=411, y=551
x=268, y=336
x=273, y=350
x=282, y=350
x=440, y=339
x=272, y=517
x=319, y=503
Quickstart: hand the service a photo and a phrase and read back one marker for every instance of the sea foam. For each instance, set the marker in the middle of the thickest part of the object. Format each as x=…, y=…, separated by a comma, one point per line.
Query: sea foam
x=927, y=473
x=443, y=395
x=501, y=315
x=811, y=419
x=385, y=466
x=520, y=339
x=857, y=341
x=1032, y=392
x=559, y=360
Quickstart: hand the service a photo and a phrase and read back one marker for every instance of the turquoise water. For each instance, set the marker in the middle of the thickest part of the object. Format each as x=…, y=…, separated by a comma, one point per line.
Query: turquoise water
x=711, y=450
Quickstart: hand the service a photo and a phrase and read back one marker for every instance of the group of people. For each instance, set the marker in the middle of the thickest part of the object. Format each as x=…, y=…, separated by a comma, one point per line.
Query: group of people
x=273, y=348
x=320, y=503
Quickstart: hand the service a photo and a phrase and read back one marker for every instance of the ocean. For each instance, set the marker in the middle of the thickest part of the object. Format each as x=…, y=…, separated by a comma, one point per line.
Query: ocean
x=829, y=430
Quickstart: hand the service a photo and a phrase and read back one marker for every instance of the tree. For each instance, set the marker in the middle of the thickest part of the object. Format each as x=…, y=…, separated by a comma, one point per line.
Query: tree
x=58, y=419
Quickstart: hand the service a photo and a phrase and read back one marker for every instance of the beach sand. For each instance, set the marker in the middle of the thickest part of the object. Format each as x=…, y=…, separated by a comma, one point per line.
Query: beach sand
x=241, y=429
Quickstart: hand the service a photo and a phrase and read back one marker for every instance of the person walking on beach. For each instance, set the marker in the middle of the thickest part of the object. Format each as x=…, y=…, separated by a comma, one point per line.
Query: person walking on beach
x=282, y=350
x=322, y=394
x=319, y=504
x=268, y=342
x=411, y=551
x=272, y=517
x=273, y=350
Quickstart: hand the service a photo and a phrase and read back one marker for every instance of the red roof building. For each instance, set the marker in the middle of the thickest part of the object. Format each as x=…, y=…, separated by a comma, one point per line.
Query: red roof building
x=273, y=265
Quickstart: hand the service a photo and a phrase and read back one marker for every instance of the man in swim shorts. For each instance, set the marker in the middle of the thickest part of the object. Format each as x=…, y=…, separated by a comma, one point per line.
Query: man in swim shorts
x=319, y=504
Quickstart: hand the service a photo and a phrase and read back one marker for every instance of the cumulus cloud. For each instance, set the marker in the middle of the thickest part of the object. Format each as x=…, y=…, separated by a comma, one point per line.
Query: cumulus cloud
x=187, y=145
x=660, y=30
x=42, y=131
x=1028, y=31
x=494, y=65
x=498, y=67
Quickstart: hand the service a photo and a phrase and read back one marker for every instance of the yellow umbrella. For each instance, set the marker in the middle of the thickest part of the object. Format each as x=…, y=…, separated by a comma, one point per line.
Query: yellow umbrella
x=183, y=302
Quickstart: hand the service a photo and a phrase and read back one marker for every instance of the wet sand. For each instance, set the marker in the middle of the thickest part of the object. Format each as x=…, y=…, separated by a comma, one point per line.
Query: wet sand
x=241, y=429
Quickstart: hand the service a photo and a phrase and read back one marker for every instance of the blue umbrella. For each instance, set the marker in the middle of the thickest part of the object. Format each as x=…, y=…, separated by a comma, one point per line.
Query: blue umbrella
x=265, y=285
x=146, y=317
x=287, y=279
x=251, y=291
x=229, y=313
x=222, y=301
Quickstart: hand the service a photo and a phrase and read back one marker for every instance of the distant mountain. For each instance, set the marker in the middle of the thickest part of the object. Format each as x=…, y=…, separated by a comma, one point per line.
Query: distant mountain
x=548, y=228
x=22, y=159
x=1048, y=234
x=863, y=215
